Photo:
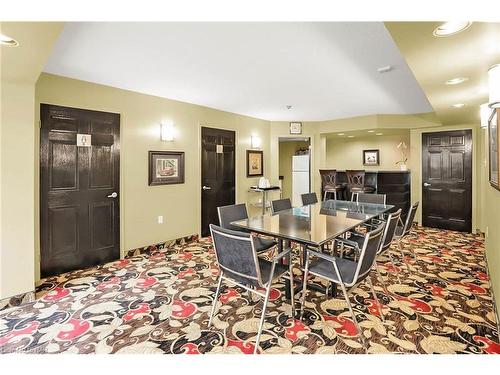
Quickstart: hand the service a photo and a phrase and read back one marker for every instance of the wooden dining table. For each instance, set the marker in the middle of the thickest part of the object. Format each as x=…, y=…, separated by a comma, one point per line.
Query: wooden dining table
x=313, y=225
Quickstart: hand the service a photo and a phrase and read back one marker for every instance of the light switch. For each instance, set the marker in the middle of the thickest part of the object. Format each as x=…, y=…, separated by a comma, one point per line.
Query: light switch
x=160, y=219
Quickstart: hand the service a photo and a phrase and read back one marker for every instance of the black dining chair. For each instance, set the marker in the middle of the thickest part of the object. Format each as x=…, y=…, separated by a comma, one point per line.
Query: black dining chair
x=236, y=212
x=369, y=198
x=404, y=230
x=280, y=205
x=309, y=198
x=345, y=272
x=239, y=264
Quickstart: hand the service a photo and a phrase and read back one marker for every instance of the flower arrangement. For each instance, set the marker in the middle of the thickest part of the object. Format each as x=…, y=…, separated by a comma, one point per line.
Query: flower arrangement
x=402, y=147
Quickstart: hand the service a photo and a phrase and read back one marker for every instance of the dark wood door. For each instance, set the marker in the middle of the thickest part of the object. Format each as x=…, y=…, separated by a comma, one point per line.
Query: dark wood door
x=447, y=180
x=79, y=188
x=217, y=174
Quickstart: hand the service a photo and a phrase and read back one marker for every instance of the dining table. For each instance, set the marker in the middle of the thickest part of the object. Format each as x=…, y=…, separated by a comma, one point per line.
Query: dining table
x=313, y=225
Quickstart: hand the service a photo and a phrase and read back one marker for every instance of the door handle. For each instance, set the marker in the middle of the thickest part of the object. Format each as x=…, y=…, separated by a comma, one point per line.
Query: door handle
x=206, y=187
x=113, y=195
x=426, y=184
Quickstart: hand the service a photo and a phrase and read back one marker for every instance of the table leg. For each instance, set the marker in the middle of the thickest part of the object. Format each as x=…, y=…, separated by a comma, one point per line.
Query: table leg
x=264, y=199
x=288, y=292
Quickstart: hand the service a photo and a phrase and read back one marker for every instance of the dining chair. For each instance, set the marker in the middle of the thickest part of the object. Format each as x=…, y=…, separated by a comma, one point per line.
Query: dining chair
x=239, y=264
x=385, y=244
x=309, y=198
x=370, y=198
x=345, y=272
x=235, y=212
x=404, y=229
x=356, y=182
x=280, y=205
x=329, y=182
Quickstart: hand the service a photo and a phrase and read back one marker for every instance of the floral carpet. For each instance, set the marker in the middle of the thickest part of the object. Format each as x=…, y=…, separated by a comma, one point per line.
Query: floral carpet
x=160, y=303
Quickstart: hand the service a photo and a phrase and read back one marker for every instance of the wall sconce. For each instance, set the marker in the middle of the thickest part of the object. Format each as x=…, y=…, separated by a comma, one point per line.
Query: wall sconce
x=494, y=86
x=167, y=132
x=484, y=112
x=256, y=141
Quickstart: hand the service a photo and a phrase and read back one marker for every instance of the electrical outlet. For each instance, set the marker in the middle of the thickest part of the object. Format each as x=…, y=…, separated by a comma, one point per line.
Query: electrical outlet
x=160, y=219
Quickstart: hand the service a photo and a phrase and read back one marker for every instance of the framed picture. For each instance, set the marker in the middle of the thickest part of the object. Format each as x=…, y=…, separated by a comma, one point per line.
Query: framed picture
x=166, y=167
x=493, y=134
x=255, y=163
x=371, y=157
x=295, y=128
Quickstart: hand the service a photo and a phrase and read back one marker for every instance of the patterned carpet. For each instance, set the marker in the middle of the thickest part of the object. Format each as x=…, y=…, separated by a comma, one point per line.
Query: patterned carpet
x=159, y=303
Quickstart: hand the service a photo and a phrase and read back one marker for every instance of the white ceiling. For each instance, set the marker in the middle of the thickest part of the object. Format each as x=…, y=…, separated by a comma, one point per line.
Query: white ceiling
x=324, y=70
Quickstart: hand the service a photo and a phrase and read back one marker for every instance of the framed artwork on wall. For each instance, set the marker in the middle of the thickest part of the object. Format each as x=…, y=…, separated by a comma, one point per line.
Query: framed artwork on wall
x=255, y=163
x=371, y=157
x=166, y=167
x=493, y=134
x=295, y=128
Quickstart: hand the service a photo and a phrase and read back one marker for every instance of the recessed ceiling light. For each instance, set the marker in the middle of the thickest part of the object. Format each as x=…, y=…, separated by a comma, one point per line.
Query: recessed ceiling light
x=371, y=131
x=458, y=105
x=340, y=134
x=379, y=134
x=384, y=69
x=451, y=28
x=8, y=41
x=456, y=81
x=350, y=136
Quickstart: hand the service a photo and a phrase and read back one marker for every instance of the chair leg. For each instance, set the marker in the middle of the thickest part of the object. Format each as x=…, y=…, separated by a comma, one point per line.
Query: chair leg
x=324, y=196
x=379, y=305
x=403, y=255
x=394, y=265
x=360, y=333
x=379, y=275
x=215, y=300
x=335, y=194
x=292, y=289
x=262, y=318
x=304, y=287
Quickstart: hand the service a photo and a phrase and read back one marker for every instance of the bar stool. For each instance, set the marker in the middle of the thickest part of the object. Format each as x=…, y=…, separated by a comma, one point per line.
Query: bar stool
x=356, y=182
x=329, y=181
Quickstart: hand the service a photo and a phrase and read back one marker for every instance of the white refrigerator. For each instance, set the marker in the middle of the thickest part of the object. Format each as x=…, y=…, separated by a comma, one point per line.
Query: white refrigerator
x=300, y=178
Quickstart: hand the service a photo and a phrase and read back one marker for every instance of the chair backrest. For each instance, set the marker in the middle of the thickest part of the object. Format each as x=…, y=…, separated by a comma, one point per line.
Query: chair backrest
x=355, y=177
x=328, y=177
x=236, y=255
x=390, y=230
x=309, y=198
x=234, y=212
x=371, y=198
x=410, y=218
x=368, y=253
x=281, y=205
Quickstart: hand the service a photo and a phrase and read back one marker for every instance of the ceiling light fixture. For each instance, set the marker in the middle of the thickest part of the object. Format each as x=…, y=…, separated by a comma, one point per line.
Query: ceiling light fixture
x=350, y=136
x=451, y=28
x=456, y=81
x=371, y=131
x=458, y=105
x=8, y=41
x=379, y=134
x=288, y=107
x=384, y=69
x=340, y=134
x=494, y=86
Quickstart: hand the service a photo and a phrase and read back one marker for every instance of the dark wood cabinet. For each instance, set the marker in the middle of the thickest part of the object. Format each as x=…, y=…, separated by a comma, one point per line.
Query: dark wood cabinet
x=395, y=184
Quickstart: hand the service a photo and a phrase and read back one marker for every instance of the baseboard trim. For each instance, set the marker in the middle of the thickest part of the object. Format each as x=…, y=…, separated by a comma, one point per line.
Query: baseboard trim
x=17, y=300
x=493, y=300
x=162, y=245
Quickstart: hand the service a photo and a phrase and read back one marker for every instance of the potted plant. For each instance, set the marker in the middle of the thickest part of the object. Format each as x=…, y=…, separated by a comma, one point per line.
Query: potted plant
x=402, y=163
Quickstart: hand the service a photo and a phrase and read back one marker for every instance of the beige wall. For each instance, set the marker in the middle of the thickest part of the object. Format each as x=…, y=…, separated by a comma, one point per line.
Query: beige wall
x=347, y=153
x=141, y=116
x=286, y=151
x=490, y=215
x=19, y=67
